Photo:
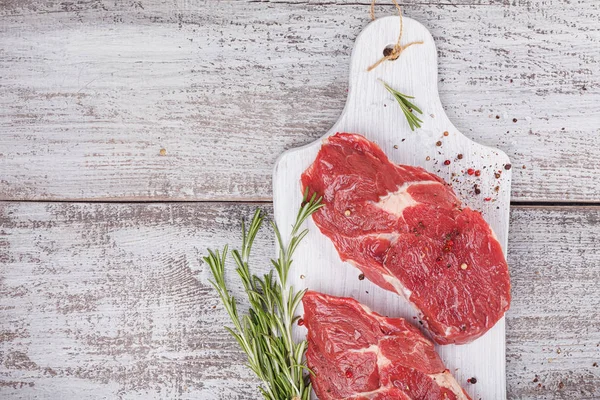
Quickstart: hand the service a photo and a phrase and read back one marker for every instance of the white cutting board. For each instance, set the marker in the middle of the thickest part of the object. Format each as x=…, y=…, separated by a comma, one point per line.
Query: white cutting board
x=371, y=111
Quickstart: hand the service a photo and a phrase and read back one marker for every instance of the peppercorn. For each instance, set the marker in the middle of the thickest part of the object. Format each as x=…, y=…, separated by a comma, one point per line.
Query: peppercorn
x=477, y=173
x=470, y=171
x=447, y=162
x=460, y=156
x=507, y=167
x=438, y=143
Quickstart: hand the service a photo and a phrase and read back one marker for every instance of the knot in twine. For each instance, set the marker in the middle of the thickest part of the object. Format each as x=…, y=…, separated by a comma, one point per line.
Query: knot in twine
x=398, y=48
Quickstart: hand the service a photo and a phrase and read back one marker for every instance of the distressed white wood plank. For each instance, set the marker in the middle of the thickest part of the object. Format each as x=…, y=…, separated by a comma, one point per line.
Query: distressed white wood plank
x=24, y=7
x=371, y=111
x=111, y=300
x=90, y=93
x=555, y=278
x=380, y=3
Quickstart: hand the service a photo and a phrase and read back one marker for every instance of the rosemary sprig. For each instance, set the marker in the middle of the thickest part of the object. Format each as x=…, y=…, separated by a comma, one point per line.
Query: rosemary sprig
x=407, y=107
x=265, y=333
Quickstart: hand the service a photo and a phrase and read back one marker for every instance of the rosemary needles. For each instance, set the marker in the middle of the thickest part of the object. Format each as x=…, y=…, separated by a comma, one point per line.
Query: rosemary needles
x=265, y=333
x=407, y=107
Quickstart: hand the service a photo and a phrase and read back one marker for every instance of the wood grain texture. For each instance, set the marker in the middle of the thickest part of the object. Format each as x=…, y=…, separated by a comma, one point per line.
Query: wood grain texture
x=90, y=92
x=112, y=300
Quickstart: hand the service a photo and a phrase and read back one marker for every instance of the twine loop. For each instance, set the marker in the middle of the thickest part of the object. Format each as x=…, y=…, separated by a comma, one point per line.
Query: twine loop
x=395, y=52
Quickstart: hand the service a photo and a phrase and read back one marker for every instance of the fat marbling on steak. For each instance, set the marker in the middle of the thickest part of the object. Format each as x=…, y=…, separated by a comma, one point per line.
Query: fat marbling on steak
x=406, y=230
x=357, y=354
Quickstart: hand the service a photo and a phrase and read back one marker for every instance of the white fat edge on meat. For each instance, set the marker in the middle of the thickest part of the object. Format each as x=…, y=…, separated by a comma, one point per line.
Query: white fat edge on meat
x=396, y=284
x=446, y=380
x=382, y=361
x=400, y=290
x=396, y=202
x=373, y=394
x=389, y=278
x=371, y=349
x=327, y=164
x=450, y=329
x=493, y=234
x=443, y=379
x=389, y=236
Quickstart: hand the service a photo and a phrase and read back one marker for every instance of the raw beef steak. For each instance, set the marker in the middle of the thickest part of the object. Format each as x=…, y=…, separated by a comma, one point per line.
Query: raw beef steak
x=357, y=354
x=406, y=230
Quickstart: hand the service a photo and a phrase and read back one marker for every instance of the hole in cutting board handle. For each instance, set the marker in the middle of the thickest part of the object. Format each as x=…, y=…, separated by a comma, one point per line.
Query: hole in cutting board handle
x=388, y=50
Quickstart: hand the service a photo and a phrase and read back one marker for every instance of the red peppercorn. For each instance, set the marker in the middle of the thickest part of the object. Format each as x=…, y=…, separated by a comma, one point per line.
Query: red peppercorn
x=300, y=322
x=477, y=173
x=487, y=199
x=348, y=374
x=447, y=162
x=470, y=171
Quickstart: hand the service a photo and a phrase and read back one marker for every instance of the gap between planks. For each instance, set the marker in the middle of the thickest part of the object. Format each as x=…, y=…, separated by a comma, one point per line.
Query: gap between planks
x=259, y=202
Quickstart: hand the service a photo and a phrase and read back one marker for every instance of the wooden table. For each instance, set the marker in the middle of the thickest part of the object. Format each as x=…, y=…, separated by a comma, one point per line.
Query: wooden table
x=135, y=134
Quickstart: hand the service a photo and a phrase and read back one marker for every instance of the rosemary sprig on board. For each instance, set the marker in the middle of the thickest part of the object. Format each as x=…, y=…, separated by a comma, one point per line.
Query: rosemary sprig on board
x=265, y=333
x=407, y=107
